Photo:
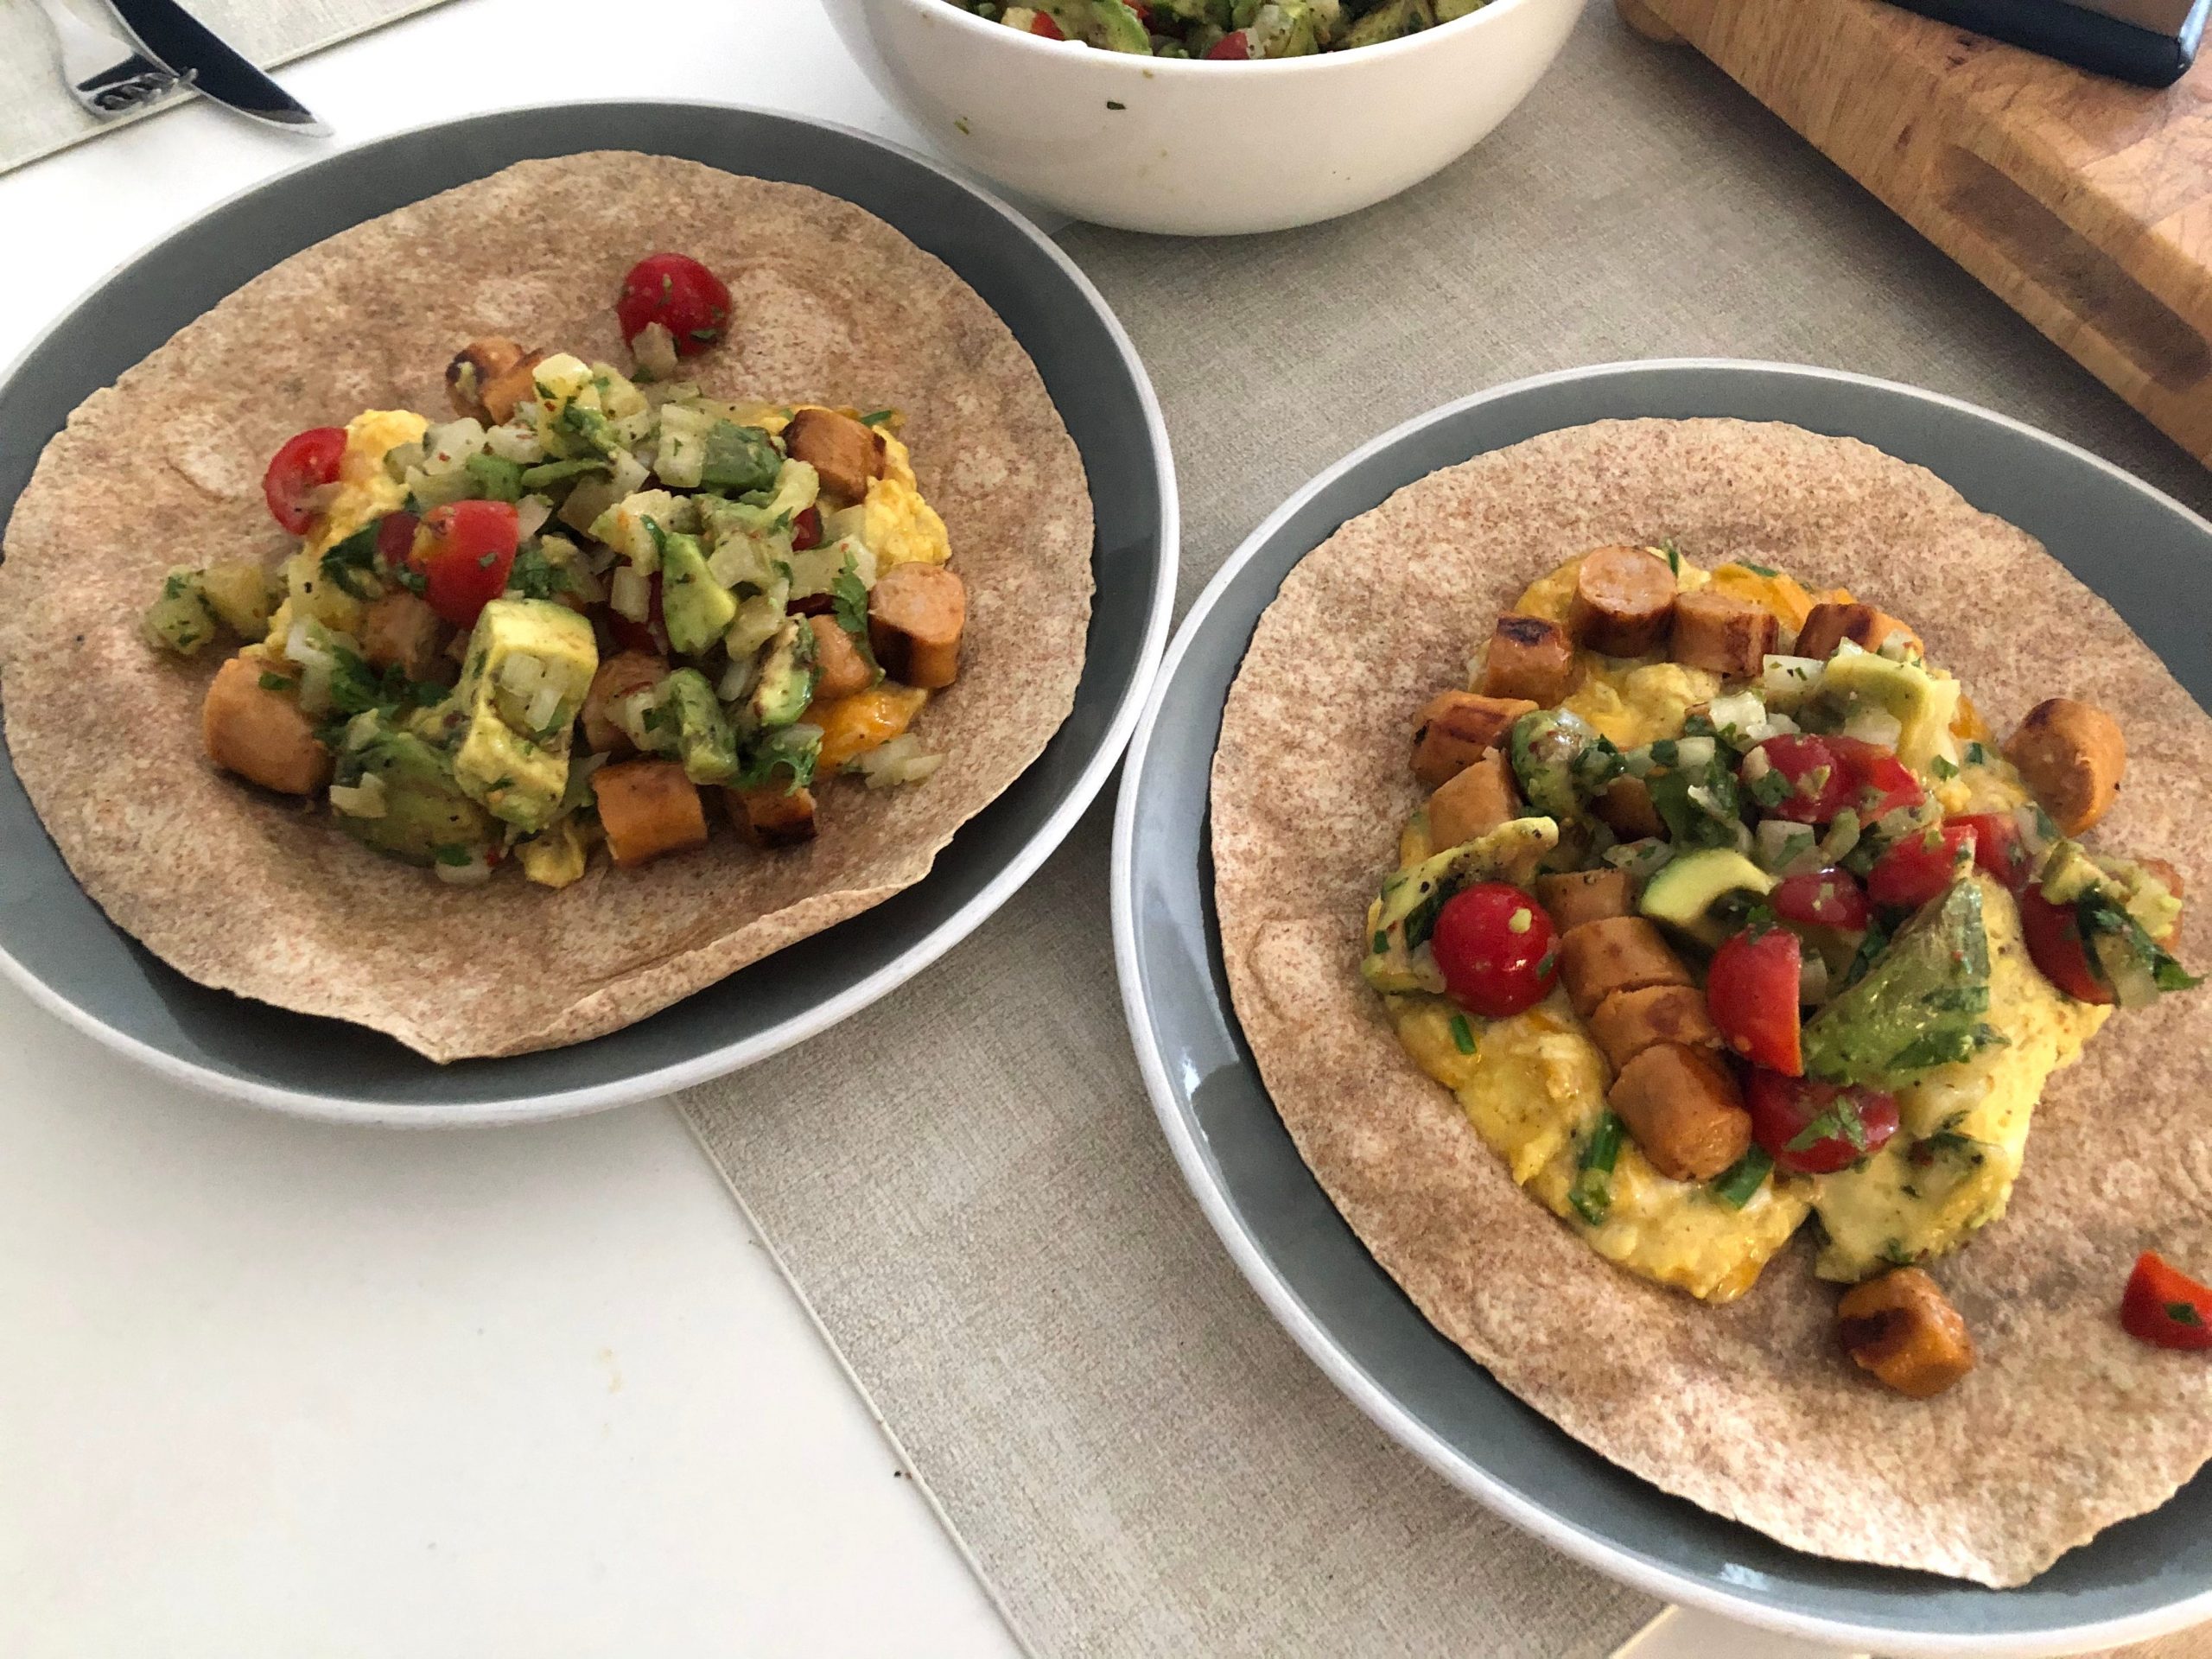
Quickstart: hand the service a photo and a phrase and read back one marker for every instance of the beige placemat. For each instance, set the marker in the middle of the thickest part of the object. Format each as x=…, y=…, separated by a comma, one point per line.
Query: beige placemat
x=966, y=1180
x=38, y=115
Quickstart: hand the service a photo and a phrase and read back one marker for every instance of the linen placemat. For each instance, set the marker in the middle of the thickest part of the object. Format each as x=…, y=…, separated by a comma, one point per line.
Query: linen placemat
x=966, y=1181
x=38, y=115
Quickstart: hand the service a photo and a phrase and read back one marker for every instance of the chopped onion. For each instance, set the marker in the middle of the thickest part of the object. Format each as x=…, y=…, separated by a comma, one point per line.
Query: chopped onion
x=530, y=514
x=629, y=713
x=1694, y=754
x=363, y=800
x=1788, y=681
x=630, y=593
x=1742, y=711
x=898, y=761
x=544, y=707
x=1785, y=848
x=516, y=441
x=302, y=647
x=475, y=873
x=654, y=349
x=1812, y=979
x=737, y=679
x=1874, y=725
x=522, y=674
x=448, y=447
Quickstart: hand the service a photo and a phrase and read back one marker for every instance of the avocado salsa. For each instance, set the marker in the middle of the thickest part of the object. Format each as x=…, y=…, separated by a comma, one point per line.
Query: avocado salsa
x=1222, y=30
x=1724, y=911
x=547, y=625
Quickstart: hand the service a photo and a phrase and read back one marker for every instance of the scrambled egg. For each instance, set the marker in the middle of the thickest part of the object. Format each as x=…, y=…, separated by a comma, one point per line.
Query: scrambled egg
x=900, y=528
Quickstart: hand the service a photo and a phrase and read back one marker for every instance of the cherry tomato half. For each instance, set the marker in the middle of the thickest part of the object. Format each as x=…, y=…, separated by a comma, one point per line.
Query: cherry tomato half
x=1236, y=45
x=1818, y=787
x=2165, y=1307
x=1998, y=848
x=1494, y=945
x=1752, y=991
x=304, y=464
x=1042, y=24
x=677, y=292
x=2054, y=936
x=806, y=529
x=1817, y=1128
x=1879, y=781
x=1829, y=898
x=396, y=538
x=1921, y=866
x=463, y=551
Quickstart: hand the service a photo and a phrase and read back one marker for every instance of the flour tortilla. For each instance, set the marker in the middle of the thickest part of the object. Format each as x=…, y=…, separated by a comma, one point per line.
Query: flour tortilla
x=257, y=895
x=2066, y=1425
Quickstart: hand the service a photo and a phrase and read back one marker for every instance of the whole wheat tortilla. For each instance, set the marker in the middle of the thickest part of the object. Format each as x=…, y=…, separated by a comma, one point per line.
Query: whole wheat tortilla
x=2066, y=1425
x=255, y=895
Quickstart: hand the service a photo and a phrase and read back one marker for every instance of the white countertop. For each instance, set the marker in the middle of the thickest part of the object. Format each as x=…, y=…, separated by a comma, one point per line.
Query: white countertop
x=276, y=1388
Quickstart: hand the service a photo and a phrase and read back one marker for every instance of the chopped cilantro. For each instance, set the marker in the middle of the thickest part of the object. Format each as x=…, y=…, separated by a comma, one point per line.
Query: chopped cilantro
x=1894, y=1253
x=2184, y=1313
x=275, y=682
x=1592, y=1194
x=535, y=577
x=1840, y=1121
x=1977, y=756
x=876, y=418
x=1674, y=554
x=454, y=855
x=351, y=563
x=1758, y=569
x=1381, y=943
x=1770, y=788
x=1463, y=1034
x=1943, y=767
x=1735, y=1186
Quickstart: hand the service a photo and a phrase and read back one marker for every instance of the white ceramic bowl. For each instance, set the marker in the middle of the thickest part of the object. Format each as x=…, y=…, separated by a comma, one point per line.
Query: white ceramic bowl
x=1200, y=149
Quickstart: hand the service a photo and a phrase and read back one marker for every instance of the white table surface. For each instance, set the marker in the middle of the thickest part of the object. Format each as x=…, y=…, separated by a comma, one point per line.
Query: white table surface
x=274, y=1387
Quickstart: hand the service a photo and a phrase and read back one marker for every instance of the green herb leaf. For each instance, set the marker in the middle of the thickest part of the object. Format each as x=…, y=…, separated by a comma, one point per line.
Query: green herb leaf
x=1770, y=788
x=2184, y=1313
x=456, y=856
x=1735, y=1186
x=1943, y=767
x=1674, y=554
x=1977, y=756
x=276, y=683
x=1463, y=1034
x=848, y=597
x=1591, y=1195
x=877, y=418
x=351, y=564
x=1758, y=569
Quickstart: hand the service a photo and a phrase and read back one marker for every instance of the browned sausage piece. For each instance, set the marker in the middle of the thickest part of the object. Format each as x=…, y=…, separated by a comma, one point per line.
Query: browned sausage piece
x=1628, y=1022
x=1683, y=1106
x=476, y=367
x=771, y=815
x=1475, y=801
x=1530, y=657
x=1903, y=1329
x=1454, y=729
x=503, y=395
x=399, y=629
x=2071, y=755
x=844, y=671
x=1621, y=953
x=259, y=732
x=618, y=677
x=843, y=451
x=915, y=613
x=1828, y=625
x=1586, y=896
x=647, y=808
x=1719, y=632
x=1625, y=808
x=1624, y=597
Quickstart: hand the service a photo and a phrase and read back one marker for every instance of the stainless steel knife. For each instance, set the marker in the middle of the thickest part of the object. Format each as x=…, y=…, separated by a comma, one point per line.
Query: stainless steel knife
x=169, y=34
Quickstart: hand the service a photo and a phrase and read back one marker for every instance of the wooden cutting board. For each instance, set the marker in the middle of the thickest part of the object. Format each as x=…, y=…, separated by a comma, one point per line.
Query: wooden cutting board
x=2084, y=203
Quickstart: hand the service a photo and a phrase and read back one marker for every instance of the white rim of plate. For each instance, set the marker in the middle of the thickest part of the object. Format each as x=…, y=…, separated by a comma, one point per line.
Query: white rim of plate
x=926, y=951
x=1322, y=1348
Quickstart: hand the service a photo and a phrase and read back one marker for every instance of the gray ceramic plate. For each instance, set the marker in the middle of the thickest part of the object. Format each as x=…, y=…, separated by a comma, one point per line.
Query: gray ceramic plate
x=57, y=943
x=2143, y=1577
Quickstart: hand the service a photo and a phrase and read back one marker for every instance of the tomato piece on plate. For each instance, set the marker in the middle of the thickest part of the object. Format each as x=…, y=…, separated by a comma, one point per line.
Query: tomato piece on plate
x=1998, y=848
x=1235, y=46
x=2165, y=1307
x=1921, y=867
x=1752, y=991
x=677, y=292
x=1042, y=24
x=806, y=529
x=1494, y=947
x=1817, y=1128
x=2054, y=945
x=1818, y=787
x=463, y=551
x=1829, y=898
x=1879, y=782
x=304, y=463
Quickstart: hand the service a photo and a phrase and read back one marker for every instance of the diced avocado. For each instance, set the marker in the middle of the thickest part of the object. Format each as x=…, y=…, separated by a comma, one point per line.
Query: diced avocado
x=787, y=676
x=1393, y=20
x=634, y=526
x=530, y=664
x=1920, y=1004
x=2069, y=872
x=590, y=429
x=744, y=544
x=1286, y=28
x=787, y=755
x=682, y=451
x=1922, y=704
x=2144, y=894
x=758, y=619
x=798, y=484
x=241, y=594
x=560, y=380
x=424, y=809
x=740, y=459
x=1546, y=745
x=1688, y=892
x=704, y=740
x=1107, y=25
x=1215, y=12
x=180, y=620
x=695, y=607
x=1450, y=11
x=545, y=475
x=493, y=479
x=1404, y=913
x=617, y=394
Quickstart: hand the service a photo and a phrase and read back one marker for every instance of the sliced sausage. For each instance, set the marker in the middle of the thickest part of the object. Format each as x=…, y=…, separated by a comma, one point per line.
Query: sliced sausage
x=1473, y=803
x=1628, y=1022
x=1625, y=807
x=1730, y=636
x=1531, y=658
x=1902, y=1328
x=1683, y=1107
x=476, y=367
x=399, y=630
x=915, y=615
x=258, y=731
x=1586, y=896
x=1828, y=625
x=772, y=816
x=1621, y=953
x=619, y=676
x=844, y=453
x=844, y=671
x=2071, y=755
x=1624, y=599
x=1454, y=729
x=503, y=395
x=647, y=808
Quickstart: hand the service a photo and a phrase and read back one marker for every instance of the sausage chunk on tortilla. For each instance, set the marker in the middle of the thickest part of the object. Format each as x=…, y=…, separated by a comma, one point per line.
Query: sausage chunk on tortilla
x=843, y=670
x=1530, y=657
x=619, y=676
x=647, y=808
x=1628, y=1022
x=488, y=377
x=1730, y=636
x=1902, y=1328
x=1625, y=807
x=916, y=614
x=2071, y=755
x=771, y=816
x=1621, y=953
x=1580, y=896
x=401, y=631
x=845, y=454
x=259, y=732
x=1828, y=625
x=1474, y=801
x=1683, y=1107
x=1624, y=599
x=1455, y=727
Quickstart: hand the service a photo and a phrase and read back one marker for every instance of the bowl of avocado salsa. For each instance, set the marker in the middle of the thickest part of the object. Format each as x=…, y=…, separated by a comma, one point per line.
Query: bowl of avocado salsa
x=1224, y=30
